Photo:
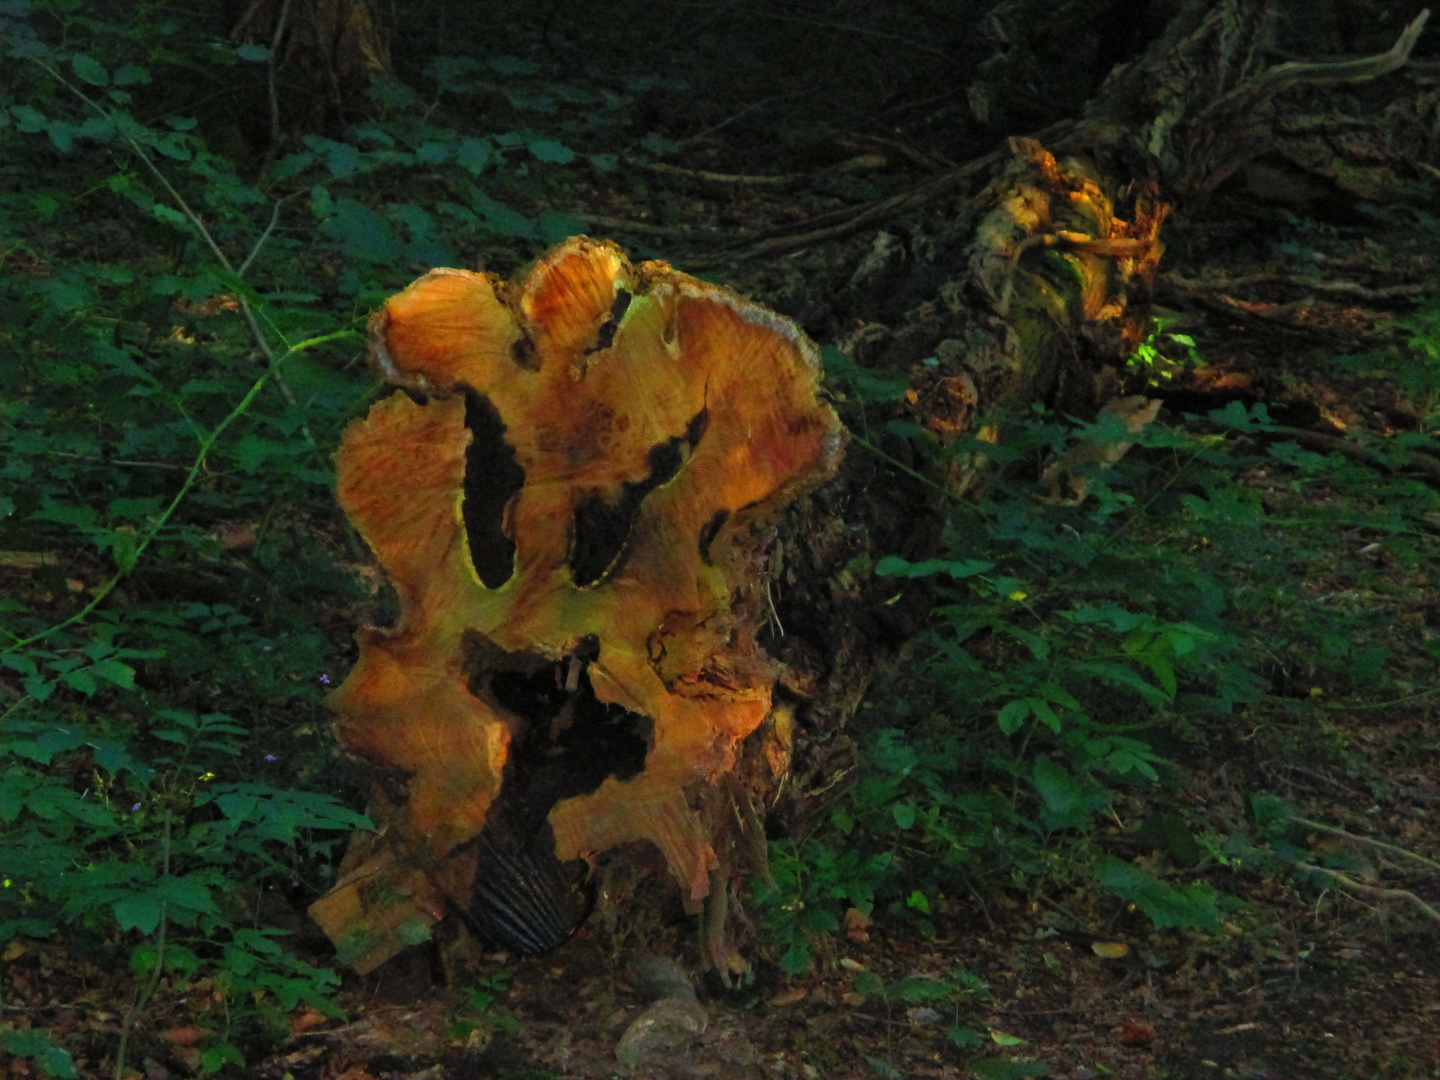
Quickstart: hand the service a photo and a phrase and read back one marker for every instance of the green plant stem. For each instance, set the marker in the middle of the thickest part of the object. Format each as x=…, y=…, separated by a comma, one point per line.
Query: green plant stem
x=143, y=997
x=207, y=442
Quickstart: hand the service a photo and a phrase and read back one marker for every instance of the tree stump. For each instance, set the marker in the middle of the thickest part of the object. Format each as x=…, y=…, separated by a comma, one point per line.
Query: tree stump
x=572, y=493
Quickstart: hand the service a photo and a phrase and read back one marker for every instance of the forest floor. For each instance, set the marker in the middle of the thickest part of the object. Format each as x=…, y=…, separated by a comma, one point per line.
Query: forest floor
x=1308, y=983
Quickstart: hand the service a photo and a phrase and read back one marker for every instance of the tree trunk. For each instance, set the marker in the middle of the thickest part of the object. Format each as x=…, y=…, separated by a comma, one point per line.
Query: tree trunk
x=607, y=635
x=323, y=56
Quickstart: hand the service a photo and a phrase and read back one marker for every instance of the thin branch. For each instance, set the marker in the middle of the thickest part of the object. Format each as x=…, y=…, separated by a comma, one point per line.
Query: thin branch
x=854, y=164
x=274, y=217
x=1377, y=891
x=1357, y=838
x=270, y=77
x=1282, y=76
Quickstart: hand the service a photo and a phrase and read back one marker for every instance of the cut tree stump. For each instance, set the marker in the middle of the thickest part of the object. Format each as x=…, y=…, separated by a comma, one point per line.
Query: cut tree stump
x=571, y=492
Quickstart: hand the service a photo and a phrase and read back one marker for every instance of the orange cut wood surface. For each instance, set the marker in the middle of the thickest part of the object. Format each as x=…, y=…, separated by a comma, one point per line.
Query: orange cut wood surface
x=570, y=494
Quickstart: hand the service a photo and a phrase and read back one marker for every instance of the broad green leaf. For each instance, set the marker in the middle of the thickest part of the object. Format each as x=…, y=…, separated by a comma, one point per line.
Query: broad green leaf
x=82, y=680
x=90, y=70
x=35, y=1044
x=916, y=989
x=1193, y=906
x=138, y=911
x=473, y=155
x=130, y=74
x=904, y=814
x=550, y=151
x=1012, y=715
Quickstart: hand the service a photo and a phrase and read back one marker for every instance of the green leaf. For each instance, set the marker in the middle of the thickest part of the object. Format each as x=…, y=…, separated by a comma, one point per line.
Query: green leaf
x=916, y=989
x=362, y=233
x=82, y=680
x=187, y=892
x=130, y=74
x=964, y=1037
x=1069, y=804
x=254, y=53
x=998, y=1068
x=90, y=70
x=122, y=675
x=473, y=155
x=868, y=984
x=34, y=1043
x=1012, y=715
x=796, y=959
x=551, y=151
x=138, y=911
x=1193, y=906
x=501, y=219
x=894, y=566
x=214, y=1058
x=904, y=814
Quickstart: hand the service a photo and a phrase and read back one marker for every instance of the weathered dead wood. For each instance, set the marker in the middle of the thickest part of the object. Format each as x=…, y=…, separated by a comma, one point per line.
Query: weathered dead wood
x=572, y=498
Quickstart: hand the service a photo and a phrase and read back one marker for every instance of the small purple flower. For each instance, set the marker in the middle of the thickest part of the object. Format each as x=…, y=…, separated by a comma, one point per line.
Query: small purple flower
x=269, y=757
x=136, y=806
x=324, y=680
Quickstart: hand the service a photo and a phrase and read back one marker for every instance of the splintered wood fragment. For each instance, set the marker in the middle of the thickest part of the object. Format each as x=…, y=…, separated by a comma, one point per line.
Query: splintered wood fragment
x=569, y=491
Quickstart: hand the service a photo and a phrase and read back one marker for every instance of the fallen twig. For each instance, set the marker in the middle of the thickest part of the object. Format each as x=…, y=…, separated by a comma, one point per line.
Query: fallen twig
x=1333, y=288
x=1378, y=891
x=1357, y=838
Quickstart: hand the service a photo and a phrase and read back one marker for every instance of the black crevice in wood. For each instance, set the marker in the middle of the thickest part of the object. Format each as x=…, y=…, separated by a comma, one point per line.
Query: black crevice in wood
x=600, y=535
x=492, y=479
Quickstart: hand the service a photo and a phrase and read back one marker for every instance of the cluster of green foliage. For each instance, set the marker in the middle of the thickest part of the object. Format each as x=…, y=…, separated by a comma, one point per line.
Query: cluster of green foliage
x=180, y=346
x=1083, y=658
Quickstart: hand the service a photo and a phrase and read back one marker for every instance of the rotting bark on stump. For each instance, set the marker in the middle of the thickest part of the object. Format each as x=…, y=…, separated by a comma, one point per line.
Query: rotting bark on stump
x=572, y=493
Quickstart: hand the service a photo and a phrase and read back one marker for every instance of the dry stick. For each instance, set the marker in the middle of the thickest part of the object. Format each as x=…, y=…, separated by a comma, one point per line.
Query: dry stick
x=1357, y=838
x=1378, y=891
x=275, y=132
x=854, y=164
x=1335, y=288
x=848, y=221
x=1364, y=69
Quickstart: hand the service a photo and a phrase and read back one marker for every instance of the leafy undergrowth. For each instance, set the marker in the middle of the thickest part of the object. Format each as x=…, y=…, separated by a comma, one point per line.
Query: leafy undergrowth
x=1153, y=795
